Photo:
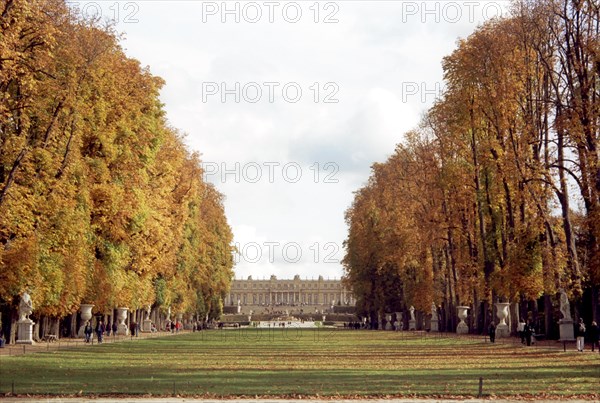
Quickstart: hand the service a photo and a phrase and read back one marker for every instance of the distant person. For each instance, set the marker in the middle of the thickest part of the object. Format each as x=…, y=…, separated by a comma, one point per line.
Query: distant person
x=100, y=331
x=133, y=329
x=580, y=334
x=88, y=331
x=528, y=331
x=492, y=332
x=114, y=328
x=594, y=335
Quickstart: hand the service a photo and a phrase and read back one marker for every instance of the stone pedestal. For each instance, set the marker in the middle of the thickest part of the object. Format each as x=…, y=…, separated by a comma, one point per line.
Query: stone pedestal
x=462, y=327
x=434, y=322
x=25, y=331
x=388, y=321
x=566, y=330
x=147, y=323
x=122, y=328
x=502, y=329
x=85, y=315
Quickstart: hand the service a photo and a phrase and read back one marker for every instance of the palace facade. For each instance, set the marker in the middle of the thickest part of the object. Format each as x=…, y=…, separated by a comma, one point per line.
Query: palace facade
x=297, y=292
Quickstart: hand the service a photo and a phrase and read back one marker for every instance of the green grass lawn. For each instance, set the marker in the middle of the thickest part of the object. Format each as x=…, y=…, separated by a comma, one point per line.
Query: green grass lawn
x=253, y=362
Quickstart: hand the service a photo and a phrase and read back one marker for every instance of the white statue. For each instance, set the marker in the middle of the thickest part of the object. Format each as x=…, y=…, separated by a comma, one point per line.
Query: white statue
x=434, y=315
x=565, y=307
x=25, y=307
x=412, y=312
x=148, y=310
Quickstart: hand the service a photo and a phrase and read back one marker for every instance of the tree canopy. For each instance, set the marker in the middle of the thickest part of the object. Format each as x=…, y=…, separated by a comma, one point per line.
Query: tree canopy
x=100, y=200
x=496, y=195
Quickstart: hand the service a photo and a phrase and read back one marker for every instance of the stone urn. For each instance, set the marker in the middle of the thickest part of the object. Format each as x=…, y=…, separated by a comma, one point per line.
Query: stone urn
x=502, y=313
x=122, y=328
x=462, y=327
x=85, y=315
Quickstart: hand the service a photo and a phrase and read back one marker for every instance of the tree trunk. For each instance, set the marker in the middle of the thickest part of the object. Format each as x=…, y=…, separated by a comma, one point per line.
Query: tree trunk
x=74, y=330
x=13, y=326
x=514, y=317
x=595, y=304
x=548, y=315
x=36, y=331
x=53, y=327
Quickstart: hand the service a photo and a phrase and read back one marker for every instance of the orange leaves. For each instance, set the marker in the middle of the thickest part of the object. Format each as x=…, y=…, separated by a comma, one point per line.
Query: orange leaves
x=96, y=189
x=464, y=209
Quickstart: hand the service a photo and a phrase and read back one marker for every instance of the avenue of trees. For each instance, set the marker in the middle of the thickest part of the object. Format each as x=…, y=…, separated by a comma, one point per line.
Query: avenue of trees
x=100, y=200
x=495, y=197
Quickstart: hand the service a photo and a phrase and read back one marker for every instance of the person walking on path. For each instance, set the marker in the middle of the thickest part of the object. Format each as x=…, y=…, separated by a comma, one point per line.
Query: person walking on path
x=133, y=329
x=114, y=328
x=593, y=331
x=580, y=334
x=100, y=331
x=88, y=331
x=492, y=332
x=528, y=331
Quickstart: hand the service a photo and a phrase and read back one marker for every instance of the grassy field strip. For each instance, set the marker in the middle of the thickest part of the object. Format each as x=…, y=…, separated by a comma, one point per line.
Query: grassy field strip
x=309, y=362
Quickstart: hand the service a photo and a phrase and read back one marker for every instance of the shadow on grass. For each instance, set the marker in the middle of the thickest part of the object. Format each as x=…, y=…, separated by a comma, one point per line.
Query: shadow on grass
x=120, y=379
x=360, y=363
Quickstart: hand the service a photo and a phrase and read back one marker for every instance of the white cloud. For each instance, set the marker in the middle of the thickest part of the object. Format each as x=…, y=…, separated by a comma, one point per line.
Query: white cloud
x=374, y=58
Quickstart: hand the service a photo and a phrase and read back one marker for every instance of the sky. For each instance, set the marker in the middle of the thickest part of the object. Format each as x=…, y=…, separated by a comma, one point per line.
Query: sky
x=290, y=103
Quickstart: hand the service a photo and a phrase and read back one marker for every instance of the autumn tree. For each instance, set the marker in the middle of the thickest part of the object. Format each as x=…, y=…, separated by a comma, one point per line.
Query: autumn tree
x=100, y=200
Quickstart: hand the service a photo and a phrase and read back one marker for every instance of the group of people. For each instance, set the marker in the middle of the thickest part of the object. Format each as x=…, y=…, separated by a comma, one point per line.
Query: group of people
x=174, y=326
x=101, y=330
x=526, y=332
x=593, y=334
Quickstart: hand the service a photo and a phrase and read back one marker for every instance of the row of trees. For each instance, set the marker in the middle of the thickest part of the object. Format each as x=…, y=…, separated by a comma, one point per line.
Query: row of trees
x=496, y=195
x=100, y=200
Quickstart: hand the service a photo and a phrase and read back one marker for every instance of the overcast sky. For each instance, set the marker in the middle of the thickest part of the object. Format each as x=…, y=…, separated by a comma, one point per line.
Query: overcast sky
x=290, y=103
